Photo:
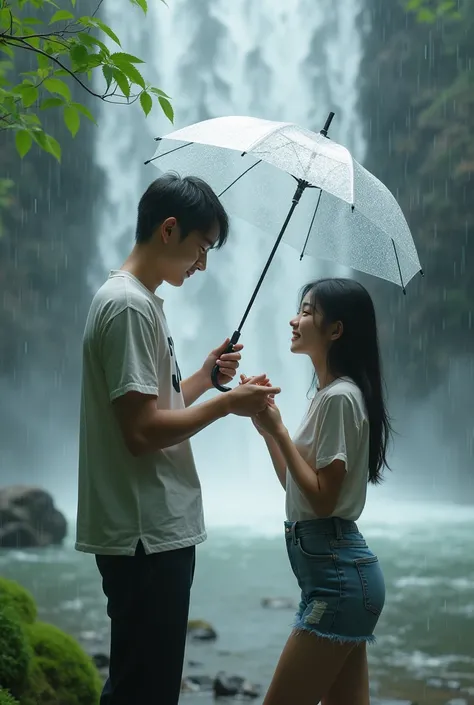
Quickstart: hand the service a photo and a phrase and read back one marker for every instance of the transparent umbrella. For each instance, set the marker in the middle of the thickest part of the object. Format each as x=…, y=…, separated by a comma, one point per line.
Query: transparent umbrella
x=300, y=184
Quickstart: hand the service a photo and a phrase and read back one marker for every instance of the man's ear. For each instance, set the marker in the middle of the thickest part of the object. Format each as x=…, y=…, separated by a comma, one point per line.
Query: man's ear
x=166, y=229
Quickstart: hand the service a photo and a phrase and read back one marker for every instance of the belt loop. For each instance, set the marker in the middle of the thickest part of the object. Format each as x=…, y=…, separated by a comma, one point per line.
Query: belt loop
x=337, y=528
x=293, y=533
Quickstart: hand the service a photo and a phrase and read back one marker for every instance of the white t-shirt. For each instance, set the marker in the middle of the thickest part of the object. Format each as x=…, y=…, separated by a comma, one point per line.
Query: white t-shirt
x=336, y=427
x=155, y=498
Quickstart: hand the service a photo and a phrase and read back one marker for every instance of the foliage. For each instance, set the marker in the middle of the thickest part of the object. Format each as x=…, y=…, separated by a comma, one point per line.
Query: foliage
x=40, y=664
x=15, y=653
x=61, y=670
x=16, y=597
x=6, y=698
x=430, y=11
x=68, y=47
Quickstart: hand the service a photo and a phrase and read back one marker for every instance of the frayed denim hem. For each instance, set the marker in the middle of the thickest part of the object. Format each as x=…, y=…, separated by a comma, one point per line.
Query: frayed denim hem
x=298, y=628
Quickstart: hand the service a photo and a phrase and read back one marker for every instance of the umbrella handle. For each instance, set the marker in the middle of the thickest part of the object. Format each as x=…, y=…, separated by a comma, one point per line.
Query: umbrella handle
x=215, y=372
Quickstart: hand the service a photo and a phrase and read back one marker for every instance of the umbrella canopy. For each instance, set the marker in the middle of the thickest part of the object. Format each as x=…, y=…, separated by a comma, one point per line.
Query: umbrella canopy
x=345, y=214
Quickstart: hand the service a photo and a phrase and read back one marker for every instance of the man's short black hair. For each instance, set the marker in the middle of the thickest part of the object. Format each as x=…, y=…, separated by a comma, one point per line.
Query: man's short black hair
x=188, y=199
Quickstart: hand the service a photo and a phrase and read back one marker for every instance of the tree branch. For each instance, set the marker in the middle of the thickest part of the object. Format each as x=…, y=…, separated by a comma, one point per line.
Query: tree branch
x=22, y=44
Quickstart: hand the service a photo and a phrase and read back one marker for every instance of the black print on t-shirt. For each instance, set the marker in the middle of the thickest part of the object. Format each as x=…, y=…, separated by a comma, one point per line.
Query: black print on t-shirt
x=176, y=377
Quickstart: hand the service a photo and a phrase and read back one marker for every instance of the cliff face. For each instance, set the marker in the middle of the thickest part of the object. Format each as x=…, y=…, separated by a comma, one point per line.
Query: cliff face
x=417, y=103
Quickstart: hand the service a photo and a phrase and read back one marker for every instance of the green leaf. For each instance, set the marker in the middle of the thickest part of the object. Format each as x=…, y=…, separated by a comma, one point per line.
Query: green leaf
x=43, y=61
x=29, y=95
x=128, y=58
x=48, y=144
x=146, y=101
x=23, y=142
x=5, y=18
x=31, y=119
x=61, y=16
x=72, y=119
x=142, y=4
x=85, y=111
x=131, y=72
x=95, y=22
x=51, y=103
x=413, y=4
x=108, y=75
x=7, y=50
x=55, y=85
x=93, y=61
x=89, y=41
x=425, y=15
x=31, y=21
x=167, y=108
x=122, y=82
x=158, y=92
x=79, y=55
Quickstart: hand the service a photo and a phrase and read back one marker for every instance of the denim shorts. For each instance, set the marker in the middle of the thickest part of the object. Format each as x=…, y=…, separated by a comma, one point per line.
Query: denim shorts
x=341, y=581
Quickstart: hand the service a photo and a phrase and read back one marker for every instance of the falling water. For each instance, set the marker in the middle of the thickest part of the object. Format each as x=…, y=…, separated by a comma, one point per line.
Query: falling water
x=240, y=58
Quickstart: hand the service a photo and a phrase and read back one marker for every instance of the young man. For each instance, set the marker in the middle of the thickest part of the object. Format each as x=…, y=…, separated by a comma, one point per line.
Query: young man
x=140, y=509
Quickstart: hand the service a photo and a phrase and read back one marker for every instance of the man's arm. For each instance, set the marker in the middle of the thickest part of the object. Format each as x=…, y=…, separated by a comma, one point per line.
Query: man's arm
x=145, y=428
x=194, y=387
x=200, y=382
x=129, y=357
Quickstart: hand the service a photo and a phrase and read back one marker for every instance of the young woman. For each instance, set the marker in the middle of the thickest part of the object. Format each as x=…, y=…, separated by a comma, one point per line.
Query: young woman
x=340, y=446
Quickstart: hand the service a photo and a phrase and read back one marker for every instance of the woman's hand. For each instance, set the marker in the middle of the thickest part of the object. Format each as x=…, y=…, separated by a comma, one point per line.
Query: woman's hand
x=267, y=422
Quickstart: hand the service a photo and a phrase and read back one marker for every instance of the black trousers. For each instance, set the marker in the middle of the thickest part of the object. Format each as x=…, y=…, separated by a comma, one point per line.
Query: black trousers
x=148, y=606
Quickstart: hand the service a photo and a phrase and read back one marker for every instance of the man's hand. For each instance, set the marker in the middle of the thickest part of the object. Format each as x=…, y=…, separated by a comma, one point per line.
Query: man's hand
x=252, y=397
x=228, y=363
x=269, y=421
x=265, y=382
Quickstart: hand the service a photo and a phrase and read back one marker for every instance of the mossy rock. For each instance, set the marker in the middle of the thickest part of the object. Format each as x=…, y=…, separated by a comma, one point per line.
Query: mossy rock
x=38, y=691
x=15, y=652
x=14, y=595
x=61, y=672
x=6, y=698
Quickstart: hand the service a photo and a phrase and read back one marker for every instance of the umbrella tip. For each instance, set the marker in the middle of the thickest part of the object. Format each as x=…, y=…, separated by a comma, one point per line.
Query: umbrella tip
x=422, y=273
x=327, y=125
x=157, y=139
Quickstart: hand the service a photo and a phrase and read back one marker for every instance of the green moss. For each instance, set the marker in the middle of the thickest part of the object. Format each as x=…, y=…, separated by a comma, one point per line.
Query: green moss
x=15, y=652
x=61, y=673
x=6, y=698
x=13, y=595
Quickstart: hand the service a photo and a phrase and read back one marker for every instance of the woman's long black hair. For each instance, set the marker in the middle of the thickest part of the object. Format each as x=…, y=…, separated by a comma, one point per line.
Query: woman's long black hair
x=356, y=355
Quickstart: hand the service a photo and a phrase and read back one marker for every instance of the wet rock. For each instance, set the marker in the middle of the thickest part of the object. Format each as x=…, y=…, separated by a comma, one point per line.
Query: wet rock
x=442, y=683
x=200, y=630
x=234, y=686
x=278, y=603
x=101, y=661
x=197, y=684
x=29, y=518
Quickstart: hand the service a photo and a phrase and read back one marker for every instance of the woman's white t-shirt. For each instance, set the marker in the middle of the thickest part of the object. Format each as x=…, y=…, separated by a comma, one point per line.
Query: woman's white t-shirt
x=336, y=427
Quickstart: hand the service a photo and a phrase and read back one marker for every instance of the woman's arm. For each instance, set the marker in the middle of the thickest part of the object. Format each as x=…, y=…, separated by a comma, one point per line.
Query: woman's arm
x=320, y=487
x=279, y=462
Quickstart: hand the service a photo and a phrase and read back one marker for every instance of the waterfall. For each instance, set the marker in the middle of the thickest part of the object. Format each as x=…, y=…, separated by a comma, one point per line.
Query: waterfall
x=214, y=58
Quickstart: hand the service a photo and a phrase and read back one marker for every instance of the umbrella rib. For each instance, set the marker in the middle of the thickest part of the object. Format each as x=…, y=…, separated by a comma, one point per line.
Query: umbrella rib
x=398, y=265
x=311, y=224
x=158, y=156
x=239, y=177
